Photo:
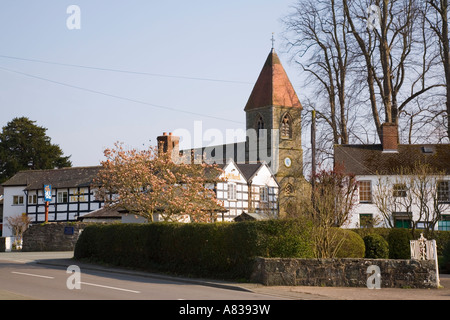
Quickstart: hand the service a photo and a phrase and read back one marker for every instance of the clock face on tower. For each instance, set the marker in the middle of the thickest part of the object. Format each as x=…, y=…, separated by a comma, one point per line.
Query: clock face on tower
x=287, y=162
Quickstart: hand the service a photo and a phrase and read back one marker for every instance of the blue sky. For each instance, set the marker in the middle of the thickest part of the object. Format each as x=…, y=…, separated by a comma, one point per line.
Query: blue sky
x=87, y=110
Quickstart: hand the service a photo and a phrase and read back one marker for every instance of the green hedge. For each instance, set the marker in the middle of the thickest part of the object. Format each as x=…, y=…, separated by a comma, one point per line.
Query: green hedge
x=352, y=245
x=376, y=247
x=441, y=237
x=224, y=250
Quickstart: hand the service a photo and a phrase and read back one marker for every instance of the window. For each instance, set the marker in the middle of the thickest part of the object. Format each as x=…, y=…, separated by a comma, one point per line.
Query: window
x=402, y=220
x=365, y=191
x=32, y=199
x=289, y=189
x=403, y=223
x=444, y=223
x=444, y=191
x=259, y=125
x=423, y=225
x=231, y=191
x=366, y=220
x=285, y=128
x=63, y=196
x=400, y=190
x=264, y=194
x=18, y=200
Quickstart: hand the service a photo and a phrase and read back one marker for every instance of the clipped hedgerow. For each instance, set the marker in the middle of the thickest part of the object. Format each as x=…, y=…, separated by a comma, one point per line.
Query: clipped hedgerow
x=399, y=246
x=217, y=249
x=351, y=245
x=376, y=247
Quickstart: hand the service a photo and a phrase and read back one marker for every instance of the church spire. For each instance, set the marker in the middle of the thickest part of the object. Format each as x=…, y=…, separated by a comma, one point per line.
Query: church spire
x=273, y=87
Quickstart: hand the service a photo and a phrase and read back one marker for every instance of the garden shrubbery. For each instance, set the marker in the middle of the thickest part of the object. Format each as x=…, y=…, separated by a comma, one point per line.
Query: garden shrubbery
x=224, y=250
x=376, y=247
x=351, y=245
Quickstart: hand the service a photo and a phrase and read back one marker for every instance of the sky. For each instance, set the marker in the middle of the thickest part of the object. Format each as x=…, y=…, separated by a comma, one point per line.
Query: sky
x=127, y=71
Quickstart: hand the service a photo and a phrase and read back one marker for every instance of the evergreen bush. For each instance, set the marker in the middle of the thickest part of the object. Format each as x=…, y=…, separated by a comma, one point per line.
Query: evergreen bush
x=351, y=245
x=376, y=247
x=399, y=246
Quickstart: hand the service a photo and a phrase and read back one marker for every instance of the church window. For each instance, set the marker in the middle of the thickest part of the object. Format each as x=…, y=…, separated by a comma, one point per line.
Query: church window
x=286, y=127
x=260, y=125
x=289, y=189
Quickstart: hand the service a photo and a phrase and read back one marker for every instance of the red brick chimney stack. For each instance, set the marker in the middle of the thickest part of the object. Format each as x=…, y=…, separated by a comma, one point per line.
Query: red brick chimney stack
x=169, y=143
x=389, y=138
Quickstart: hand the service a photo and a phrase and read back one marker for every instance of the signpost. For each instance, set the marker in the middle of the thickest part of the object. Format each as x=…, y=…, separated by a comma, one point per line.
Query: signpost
x=47, y=199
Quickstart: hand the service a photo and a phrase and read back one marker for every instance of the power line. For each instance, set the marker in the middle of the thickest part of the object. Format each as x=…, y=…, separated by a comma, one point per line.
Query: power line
x=124, y=71
x=118, y=97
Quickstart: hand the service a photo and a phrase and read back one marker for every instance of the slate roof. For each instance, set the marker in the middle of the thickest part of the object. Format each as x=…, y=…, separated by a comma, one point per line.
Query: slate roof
x=105, y=213
x=371, y=160
x=58, y=178
x=273, y=87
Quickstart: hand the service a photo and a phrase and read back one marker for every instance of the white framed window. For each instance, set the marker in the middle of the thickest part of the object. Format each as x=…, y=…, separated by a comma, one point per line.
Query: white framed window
x=264, y=194
x=32, y=199
x=365, y=191
x=444, y=191
x=231, y=191
x=63, y=197
x=18, y=200
x=400, y=190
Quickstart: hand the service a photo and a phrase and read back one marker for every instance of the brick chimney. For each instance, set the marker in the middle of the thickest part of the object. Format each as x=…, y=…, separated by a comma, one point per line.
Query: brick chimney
x=169, y=143
x=389, y=137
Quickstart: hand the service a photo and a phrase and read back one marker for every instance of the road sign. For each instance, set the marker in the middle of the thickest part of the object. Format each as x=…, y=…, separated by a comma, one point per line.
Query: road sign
x=47, y=193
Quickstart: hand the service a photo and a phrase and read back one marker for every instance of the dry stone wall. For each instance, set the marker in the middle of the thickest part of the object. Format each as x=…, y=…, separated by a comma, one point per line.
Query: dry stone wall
x=344, y=272
x=52, y=237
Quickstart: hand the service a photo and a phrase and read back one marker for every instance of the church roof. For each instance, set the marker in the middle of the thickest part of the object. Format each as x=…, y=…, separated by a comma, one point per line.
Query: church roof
x=273, y=87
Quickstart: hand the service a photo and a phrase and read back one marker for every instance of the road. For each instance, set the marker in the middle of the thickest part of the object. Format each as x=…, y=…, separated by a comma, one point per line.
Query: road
x=22, y=278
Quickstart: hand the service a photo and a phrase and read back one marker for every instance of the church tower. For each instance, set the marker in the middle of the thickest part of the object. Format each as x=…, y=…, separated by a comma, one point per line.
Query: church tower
x=274, y=107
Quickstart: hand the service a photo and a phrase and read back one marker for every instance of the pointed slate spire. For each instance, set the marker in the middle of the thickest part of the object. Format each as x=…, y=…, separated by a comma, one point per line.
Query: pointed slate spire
x=273, y=87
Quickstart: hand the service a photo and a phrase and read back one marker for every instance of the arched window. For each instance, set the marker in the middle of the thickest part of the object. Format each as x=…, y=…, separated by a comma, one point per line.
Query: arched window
x=286, y=127
x=289, y=190
x=259, y=125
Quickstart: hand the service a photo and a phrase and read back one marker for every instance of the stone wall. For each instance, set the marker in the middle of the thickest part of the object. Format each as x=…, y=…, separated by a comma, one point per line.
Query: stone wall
x=344, y=272
x=52, y=236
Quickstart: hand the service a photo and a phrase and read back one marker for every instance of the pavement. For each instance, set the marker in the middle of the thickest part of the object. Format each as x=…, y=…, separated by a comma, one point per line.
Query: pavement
x=65, y=259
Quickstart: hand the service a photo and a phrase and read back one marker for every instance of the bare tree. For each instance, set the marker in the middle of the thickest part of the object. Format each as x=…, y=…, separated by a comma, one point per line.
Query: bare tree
x=330, y=206
x=416, y=191
x=437, y=17
x=18, y=224
x=316, y=35
x=396, y=75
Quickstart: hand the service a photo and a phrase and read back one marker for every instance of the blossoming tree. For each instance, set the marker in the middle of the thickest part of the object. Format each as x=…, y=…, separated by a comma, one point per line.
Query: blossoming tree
x=148, y=182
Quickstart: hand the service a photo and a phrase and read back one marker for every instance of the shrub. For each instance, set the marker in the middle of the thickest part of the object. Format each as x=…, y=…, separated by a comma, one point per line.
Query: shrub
x=219, y=249
x=444, y=263
x=399, y=246
x=351, y=244
x=376, y=247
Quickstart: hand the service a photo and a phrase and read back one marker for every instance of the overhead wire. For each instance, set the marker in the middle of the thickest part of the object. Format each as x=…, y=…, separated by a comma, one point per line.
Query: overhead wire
x=124, y=71
x=118, y=97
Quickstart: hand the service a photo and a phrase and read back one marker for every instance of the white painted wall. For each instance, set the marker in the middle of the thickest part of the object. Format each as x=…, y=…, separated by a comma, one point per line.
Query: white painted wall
x=371, y=208
x=10, y=209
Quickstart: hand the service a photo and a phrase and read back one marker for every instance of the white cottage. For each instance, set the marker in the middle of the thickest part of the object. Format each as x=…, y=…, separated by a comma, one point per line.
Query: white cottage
x=72, y=195
x=377, y=168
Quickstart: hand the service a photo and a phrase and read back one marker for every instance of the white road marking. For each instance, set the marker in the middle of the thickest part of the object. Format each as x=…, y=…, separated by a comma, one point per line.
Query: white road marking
x=32, y=275
x=108, y=287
